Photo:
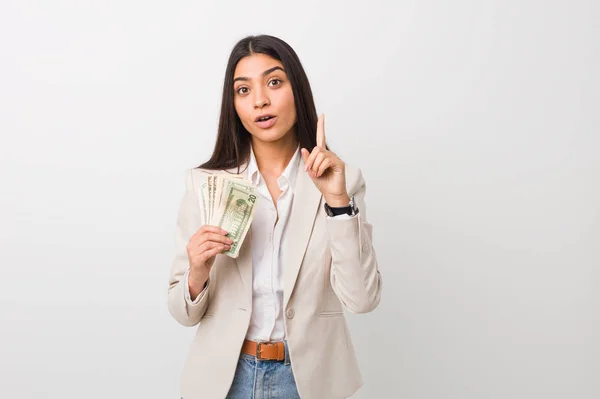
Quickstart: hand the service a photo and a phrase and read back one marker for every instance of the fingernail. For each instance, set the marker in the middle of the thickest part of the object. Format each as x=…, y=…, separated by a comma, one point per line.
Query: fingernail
x=224, y=231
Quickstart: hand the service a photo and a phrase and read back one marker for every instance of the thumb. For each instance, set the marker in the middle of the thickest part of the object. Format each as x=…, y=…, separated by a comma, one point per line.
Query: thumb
x=305, y=154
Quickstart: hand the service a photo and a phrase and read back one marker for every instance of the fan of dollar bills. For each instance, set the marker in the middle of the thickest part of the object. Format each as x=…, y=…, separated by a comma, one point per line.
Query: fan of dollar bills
x=228, y=202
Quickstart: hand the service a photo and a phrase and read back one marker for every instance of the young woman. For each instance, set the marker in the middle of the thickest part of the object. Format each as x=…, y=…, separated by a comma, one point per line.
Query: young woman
x=271, y=322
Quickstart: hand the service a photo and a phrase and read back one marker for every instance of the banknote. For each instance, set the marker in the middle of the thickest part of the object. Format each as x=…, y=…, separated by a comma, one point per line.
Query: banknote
x=235, y=213
x=228, y=201
x=203, y=194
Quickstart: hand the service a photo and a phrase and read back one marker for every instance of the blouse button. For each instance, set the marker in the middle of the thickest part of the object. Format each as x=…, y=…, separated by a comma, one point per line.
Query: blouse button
x=290, y=313
x=365, y=248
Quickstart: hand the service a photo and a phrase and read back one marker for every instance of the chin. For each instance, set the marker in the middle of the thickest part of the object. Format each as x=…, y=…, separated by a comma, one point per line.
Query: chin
x=269, y=135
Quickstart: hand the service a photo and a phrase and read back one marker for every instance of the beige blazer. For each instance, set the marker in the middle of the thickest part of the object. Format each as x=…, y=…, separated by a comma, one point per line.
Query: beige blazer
x=331, y=266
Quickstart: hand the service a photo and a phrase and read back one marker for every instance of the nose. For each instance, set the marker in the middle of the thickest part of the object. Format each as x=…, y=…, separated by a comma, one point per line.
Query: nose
x=260, y=99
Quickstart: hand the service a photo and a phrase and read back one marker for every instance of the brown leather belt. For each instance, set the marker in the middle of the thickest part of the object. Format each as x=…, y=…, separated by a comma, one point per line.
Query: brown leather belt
x=264, y=350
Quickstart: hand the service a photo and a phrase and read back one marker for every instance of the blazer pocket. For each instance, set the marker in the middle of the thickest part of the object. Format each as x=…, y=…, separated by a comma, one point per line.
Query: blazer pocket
x=332, y=314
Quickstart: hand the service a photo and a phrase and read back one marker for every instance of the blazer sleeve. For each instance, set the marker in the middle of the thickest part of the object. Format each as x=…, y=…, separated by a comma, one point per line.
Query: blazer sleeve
x=355, y=275
x=182, y=309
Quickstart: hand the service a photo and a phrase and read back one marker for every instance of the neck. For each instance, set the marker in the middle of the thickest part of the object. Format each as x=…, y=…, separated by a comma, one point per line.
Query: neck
x=273, y=157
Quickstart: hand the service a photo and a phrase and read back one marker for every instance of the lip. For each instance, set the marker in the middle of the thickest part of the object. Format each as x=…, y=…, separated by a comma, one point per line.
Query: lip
x=262, y=116
x=266, y=124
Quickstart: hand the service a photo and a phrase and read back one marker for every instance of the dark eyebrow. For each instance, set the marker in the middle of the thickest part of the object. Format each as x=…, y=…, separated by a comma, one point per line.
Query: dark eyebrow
x=265, y=73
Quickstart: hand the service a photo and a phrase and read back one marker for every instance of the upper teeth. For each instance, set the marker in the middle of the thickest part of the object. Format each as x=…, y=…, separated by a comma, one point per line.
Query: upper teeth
x=264, y=118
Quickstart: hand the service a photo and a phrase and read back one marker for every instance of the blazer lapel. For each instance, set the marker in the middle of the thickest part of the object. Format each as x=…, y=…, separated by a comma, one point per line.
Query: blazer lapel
x=307, y=199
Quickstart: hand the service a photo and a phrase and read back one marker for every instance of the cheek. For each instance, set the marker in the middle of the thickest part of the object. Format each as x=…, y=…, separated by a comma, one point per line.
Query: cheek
x=290, y=106
x=237, y=105
x=241, y=110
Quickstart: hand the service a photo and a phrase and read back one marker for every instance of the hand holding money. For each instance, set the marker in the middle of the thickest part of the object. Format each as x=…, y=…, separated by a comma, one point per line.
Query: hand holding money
x=228, y=202
x=202, y=249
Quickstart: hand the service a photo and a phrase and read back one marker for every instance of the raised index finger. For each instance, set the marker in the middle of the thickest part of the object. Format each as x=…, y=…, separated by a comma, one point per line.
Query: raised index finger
x=321, y=131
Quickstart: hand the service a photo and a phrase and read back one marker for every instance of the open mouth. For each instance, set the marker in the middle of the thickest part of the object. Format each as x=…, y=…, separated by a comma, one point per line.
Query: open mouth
x=266, y=121
x=264, y=118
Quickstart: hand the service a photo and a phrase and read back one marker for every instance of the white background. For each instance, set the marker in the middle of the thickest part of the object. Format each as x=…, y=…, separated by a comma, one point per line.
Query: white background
x=476, y=126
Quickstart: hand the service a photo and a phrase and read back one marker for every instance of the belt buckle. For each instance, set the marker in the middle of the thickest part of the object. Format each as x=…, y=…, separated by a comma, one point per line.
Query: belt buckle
x=258, y=344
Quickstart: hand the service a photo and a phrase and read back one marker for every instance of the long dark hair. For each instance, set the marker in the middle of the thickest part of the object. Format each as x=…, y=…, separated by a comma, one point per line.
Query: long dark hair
x=232, y=147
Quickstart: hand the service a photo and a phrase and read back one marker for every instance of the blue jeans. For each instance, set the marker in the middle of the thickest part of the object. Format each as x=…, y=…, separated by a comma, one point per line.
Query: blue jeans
x=263, y=379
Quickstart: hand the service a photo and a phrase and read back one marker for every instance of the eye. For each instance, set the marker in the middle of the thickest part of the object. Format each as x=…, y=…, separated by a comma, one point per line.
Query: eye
x=242, y=90
x=278, y=81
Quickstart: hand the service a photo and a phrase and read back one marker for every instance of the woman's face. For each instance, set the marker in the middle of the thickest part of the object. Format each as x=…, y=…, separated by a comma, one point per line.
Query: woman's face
x=262, y=89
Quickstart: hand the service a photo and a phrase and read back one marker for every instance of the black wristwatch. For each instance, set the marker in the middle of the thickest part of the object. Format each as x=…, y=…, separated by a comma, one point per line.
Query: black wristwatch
x=348, y=210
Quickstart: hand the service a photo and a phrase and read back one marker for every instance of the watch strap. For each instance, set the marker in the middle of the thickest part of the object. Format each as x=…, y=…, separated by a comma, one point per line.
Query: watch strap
x=350, y=209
